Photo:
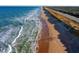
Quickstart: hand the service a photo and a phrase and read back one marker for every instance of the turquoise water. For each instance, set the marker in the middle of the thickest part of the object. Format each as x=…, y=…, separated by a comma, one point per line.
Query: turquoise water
x=8, y=14
x=17, y=24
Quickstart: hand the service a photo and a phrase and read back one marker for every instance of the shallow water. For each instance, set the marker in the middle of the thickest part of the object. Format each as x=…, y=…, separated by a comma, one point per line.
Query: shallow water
x=11, y=19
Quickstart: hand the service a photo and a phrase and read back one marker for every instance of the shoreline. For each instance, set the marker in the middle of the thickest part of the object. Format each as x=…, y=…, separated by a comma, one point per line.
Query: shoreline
x=38, y=35
x=43, y=37
x=49, y=42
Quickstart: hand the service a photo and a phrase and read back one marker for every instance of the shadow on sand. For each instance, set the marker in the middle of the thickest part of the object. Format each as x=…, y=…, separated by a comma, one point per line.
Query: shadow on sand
x=70, y=41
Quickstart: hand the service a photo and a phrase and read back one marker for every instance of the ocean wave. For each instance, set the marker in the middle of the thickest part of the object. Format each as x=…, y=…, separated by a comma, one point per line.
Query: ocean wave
x=30, y=23
x=27, y=41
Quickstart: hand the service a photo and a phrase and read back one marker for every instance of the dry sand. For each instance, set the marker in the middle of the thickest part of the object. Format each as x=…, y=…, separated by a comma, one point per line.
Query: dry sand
x=49, y=41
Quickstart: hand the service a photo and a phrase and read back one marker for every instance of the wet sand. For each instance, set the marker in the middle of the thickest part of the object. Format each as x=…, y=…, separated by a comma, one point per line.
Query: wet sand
x=48, y=41
x=43, y=42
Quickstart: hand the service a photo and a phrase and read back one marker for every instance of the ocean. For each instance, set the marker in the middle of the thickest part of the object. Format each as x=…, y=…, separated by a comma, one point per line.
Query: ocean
x=16, y=25
x=7, y=14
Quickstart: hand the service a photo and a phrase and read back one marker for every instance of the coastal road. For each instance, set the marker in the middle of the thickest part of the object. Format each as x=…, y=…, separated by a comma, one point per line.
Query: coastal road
x=64, y=40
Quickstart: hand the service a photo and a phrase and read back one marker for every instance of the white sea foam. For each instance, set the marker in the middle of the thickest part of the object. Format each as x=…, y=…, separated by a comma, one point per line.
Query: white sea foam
x=18, y=35
x=33, y=15
x=10, y=48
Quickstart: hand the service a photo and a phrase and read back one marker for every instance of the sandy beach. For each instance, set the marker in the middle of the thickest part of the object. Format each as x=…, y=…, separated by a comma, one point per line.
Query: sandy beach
x=49, y=41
